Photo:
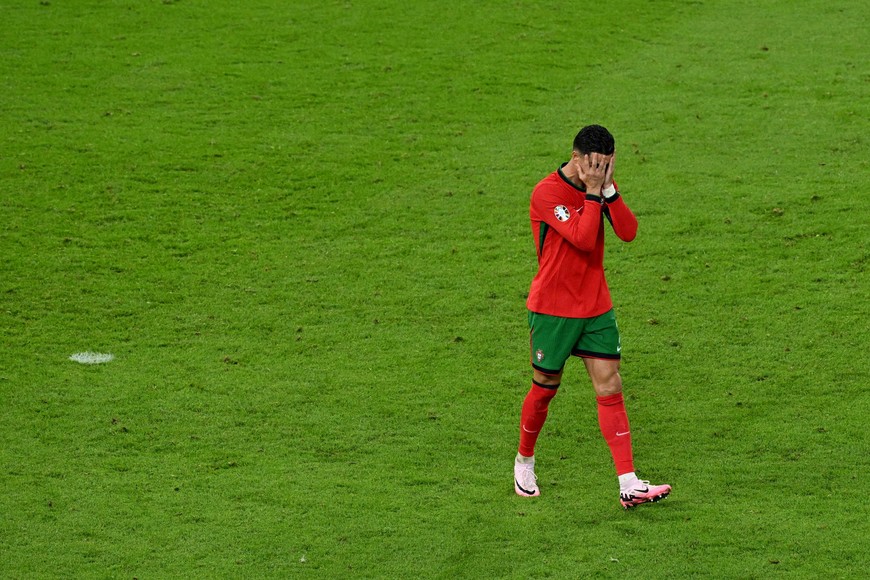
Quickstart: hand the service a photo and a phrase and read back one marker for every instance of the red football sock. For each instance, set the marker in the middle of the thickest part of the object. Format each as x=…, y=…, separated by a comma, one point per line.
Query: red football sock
x=535, y=408
x=614, y=426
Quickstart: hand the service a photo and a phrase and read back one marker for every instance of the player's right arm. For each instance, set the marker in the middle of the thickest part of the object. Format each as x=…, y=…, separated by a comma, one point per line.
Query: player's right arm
x=578, y=225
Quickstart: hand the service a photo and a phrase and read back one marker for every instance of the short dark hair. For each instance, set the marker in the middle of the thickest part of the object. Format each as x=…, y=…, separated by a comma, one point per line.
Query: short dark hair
x=594, y=139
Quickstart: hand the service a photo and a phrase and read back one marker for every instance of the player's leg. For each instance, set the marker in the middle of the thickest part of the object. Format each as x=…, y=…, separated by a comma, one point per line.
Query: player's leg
x=549, y=351
x=601, y=349
x=613, y=422
x=612, y=418
x=532, y=417
x=535, y=408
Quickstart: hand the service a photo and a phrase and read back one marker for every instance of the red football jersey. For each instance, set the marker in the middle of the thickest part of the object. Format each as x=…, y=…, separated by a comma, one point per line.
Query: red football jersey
x=568, y=231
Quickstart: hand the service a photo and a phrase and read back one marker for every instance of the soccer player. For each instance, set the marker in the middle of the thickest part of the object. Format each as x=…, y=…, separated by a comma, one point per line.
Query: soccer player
x=570, y=309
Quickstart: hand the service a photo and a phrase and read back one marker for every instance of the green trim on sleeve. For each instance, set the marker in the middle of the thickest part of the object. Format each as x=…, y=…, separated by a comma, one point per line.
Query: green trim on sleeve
x=542, y=237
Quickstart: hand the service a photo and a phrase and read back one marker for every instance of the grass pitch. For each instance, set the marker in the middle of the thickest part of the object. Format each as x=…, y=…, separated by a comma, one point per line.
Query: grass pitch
x=301, y=229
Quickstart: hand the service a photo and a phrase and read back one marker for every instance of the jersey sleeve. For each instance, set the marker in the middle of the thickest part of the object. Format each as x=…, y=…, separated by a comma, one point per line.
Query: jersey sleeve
x=622, y=219
x=577, y=225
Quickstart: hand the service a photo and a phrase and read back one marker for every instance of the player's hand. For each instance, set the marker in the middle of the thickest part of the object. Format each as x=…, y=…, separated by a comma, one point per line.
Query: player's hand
x=592, y=168
x=608, y=174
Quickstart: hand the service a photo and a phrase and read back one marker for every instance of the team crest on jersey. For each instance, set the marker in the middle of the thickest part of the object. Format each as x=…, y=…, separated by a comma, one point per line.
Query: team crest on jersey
x=539, y=355
x=562, y=213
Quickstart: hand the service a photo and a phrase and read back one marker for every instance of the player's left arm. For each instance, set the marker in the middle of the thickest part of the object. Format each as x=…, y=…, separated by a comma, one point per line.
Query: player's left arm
x=618, y=214
x=621, y=217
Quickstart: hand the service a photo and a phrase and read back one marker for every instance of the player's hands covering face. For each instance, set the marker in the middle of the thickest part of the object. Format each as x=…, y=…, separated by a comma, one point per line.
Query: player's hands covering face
x=595, y=169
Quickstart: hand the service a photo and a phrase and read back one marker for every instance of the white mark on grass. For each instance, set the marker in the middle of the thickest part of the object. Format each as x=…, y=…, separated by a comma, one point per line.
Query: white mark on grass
x=303, y=559
x=92, y=358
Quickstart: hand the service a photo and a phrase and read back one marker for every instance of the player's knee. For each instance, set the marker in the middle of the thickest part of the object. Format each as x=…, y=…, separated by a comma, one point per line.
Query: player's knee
x=547, y=380
x=610, y=384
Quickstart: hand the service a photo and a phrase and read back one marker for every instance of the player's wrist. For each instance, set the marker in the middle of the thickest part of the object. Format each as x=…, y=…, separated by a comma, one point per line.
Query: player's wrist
x=610, y=193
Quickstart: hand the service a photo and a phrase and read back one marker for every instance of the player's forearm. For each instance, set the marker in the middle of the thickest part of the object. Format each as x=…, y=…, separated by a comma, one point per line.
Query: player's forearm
x=583, y=233
x=623, y=219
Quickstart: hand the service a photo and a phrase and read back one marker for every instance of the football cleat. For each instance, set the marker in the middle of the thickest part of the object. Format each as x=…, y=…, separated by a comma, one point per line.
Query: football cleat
x=525, y=481
x=643, y=492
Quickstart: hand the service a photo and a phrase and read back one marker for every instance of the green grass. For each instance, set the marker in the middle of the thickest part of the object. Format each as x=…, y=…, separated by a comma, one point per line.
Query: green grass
x=302, y=230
